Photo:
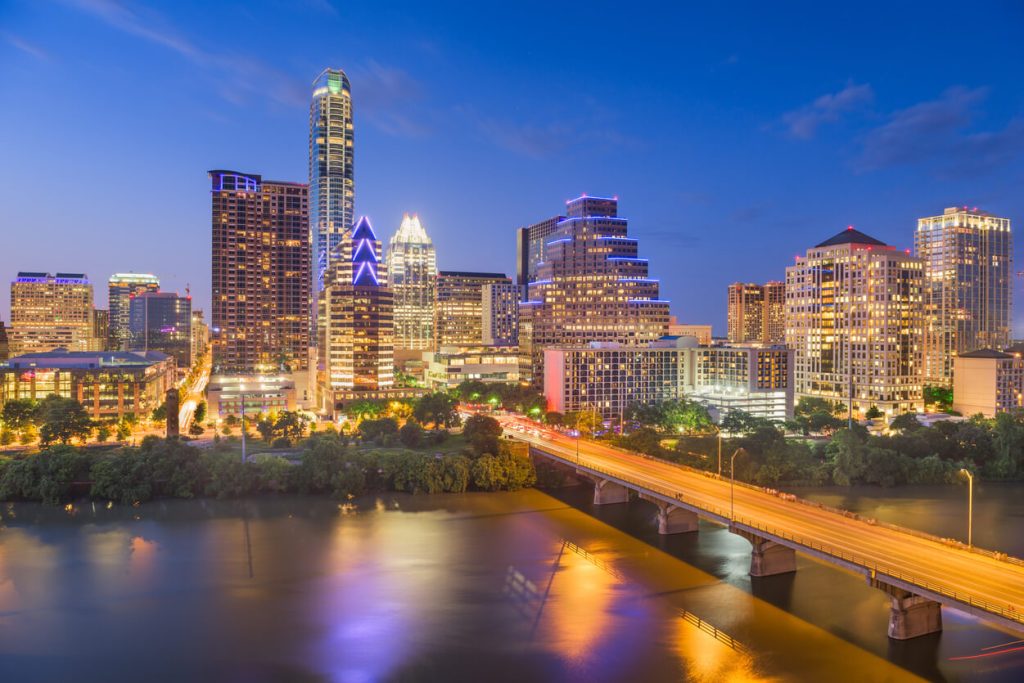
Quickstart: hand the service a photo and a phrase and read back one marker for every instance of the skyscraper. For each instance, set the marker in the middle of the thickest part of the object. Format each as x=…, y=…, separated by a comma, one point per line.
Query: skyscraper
x=530, y=250
x=458, y=306
x=745, y=314
x=121, y=287
x=968, y=286
x=5, y=346
x=500, y=313
x=52, y=311
x=854, y=321
x=590, y=285
x=356, y=322
x=162, y=321
x=331, y=171
x=261, y=274
x=773, y=318
x=412, y=269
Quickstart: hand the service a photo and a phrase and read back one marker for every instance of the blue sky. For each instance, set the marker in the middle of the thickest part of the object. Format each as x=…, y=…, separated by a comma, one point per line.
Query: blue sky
x=735, y=135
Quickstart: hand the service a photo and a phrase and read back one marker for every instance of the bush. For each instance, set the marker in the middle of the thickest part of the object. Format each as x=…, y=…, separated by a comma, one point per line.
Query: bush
x=371, y=430
x=411, y=435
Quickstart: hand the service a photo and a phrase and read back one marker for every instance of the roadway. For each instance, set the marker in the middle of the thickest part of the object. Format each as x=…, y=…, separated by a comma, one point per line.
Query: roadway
x=977, y=582
x=193, y=395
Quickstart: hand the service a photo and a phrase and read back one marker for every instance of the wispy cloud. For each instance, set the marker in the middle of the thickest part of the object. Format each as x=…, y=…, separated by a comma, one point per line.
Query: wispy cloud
x=25, y=46
x=391, y=98
x=242, y=77
x=938, y=131
x=803, y=123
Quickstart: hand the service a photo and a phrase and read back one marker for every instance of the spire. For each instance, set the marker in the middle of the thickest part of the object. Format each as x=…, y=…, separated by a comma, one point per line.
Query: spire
x=410, y=231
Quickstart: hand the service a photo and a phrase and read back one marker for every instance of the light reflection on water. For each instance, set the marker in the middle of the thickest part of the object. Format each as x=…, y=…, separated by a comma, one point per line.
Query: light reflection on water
x=478, y=587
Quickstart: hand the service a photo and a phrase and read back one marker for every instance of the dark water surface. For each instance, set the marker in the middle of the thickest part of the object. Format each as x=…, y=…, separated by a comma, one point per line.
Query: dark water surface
x=479, y=587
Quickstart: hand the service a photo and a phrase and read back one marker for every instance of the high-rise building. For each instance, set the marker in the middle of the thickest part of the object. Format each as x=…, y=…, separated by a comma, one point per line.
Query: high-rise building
x=412, y=270
x=101, y=327
x=500, y=302
x=121, y=287
x=50, y=312
x=331, y=169
x=261, y=274
x=745, y=312
x=530, y=250
x=200, y=334
x=854, y=319
x=458, y=306
x=162, y=321
x=5, y=345
x=590, y=285
x=773, y=317
x=356, y=322
x=968, y=286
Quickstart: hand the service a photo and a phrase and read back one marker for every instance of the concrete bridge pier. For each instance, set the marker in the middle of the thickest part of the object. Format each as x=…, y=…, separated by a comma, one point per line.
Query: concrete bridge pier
x=910, y=616
x=673, y=519
x=607, y=492
x=768, y=558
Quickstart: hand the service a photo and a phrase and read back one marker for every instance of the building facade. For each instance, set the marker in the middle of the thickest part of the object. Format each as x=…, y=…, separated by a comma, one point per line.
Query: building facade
x=5, y=345
x=500, y=322
x=755, y=379
x=773, y=317
x=121, y=287
x=968, y=286
x=356, y=323
x=50, y=312
x=110, y=384
x=854, y=319
x=162, y=321
x=591, y=286
x=702, y=333
x=745, y=312
x=261, y=274
x=200, y=334
x=331, y=168
x=530, y=250
x=412, y=272
x=458, y=306
x=451, y=365
x=988, y=381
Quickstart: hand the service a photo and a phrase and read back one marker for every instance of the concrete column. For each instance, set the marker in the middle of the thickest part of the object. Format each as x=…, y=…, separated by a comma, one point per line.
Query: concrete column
x=608, y=492
x=911, y=616
x=768, y=558
x=673, y=520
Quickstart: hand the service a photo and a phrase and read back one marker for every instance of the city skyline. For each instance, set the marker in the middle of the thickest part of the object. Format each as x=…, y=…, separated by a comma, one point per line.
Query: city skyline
x=697, y=170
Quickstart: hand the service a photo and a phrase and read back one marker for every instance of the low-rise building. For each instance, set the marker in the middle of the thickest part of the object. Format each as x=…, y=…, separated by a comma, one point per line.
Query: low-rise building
x=452, y=365
x=702, y=333
x=987, y=381
x=110, y=384
x=755, y=379
x=261, y=394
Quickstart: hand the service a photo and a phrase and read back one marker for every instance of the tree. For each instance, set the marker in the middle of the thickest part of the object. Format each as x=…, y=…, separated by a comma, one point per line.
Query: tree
x=103, y=433
x=375, y=429
x=411, y=435
x=741, y=422
x=907, y=422
x=19, y=413
x=584, y=421
x=195, y=429
x=159, y=413
x=554, y=418
x=483, y=433
x=265, y=426
x=940, y=397
x=63, y=419
x=200, y=414
x=291, y=425
x=809, y=405
x=439, y=409
x=873, y=413
x=124, y=430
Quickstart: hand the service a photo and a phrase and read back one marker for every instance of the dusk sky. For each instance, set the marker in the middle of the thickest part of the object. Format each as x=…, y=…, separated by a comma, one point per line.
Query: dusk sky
x=735, y=134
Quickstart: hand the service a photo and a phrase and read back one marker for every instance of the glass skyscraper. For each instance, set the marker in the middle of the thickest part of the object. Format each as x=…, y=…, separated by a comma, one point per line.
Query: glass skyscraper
x=412, y=268
x=331, y=174
x=121, y=288
x=968, y=286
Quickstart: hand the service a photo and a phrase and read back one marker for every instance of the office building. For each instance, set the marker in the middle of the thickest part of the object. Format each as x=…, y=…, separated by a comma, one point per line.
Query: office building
x=702, y=333
x=331, y=167
x=200, y=334
x=5, y=345
x=590, y=286
x=261, y=274
x=500, y=322
x=745, y=312
x=854, y=319
x=357, y=325
x=121, y=287
x=449, y=366
x=162, y=321
x=988, y=381
x=101, y=327
x=530, y=250
x=52, y=312
x=773, y=317
x=968, y=286
x=458, y=306
x=228, y=395
x=412, y=270
x=110, y=384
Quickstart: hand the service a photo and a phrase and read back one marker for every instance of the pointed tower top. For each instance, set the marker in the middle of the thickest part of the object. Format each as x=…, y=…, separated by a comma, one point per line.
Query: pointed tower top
x=410, y=231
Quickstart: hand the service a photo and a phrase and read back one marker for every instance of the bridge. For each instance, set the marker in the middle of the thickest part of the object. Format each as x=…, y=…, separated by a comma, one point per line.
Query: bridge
x=919, y=572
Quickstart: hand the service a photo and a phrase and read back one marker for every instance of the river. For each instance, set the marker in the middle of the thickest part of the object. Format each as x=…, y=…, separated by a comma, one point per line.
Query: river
x=525, y=586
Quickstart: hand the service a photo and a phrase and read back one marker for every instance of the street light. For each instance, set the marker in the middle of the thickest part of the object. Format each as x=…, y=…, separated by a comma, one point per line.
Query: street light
x=970, y=505
x=732, y=484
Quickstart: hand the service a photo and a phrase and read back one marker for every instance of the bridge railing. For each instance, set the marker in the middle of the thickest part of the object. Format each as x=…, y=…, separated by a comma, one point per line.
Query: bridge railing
x=1004, y=610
